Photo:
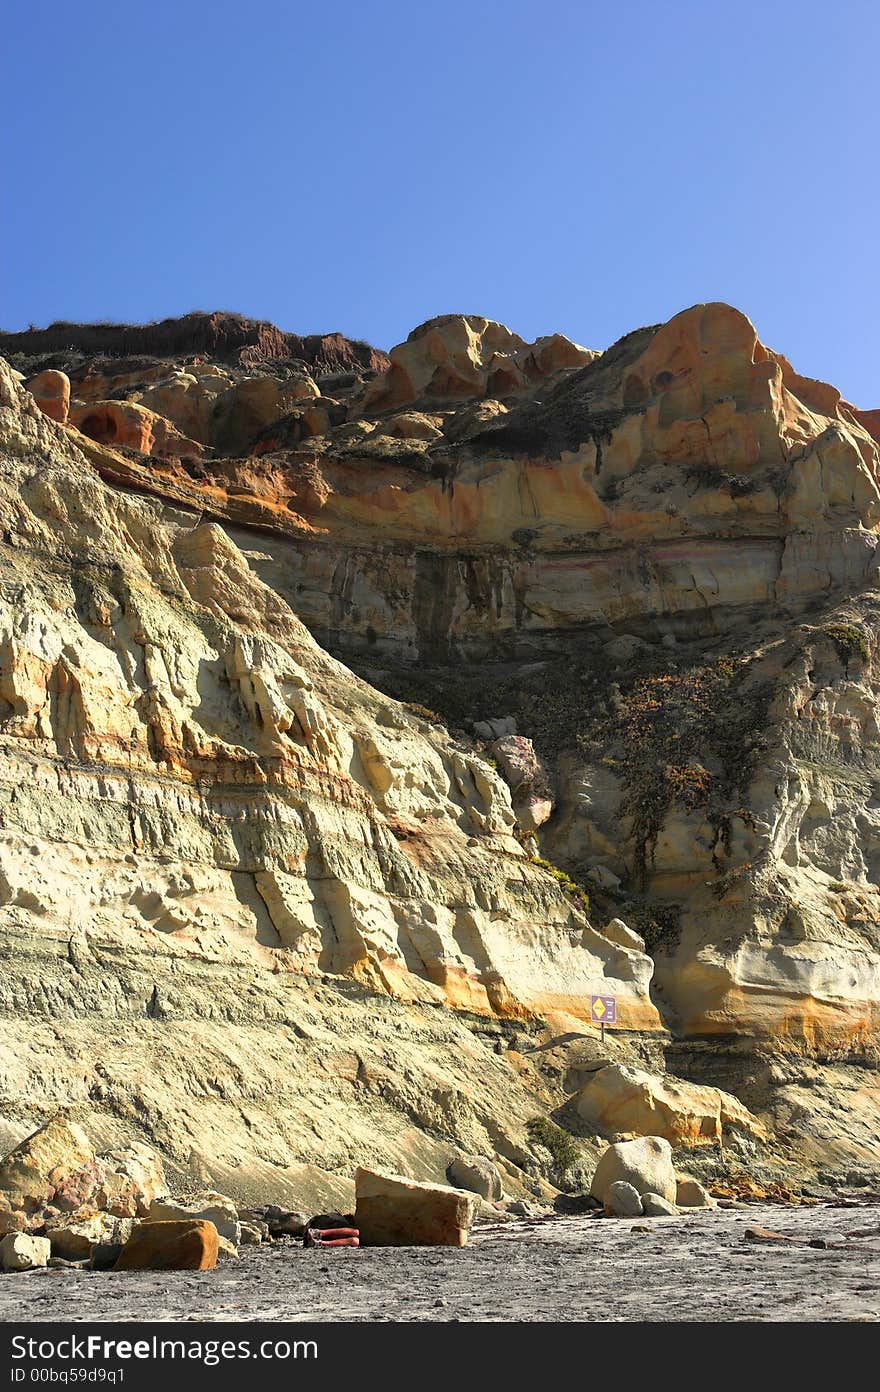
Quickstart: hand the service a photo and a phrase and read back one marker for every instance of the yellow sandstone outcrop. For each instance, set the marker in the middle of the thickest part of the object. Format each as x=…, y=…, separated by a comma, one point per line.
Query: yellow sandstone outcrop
x=458, y=356
x=662, y=560
x=619, y=1099
x=193, y=787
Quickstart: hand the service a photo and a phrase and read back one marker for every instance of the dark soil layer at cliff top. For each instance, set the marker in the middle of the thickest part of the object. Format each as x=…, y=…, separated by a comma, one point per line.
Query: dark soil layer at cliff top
x=224, y=337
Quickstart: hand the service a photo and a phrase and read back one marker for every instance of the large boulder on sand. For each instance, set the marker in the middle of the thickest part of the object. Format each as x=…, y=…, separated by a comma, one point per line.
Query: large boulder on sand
x=173, y=1246
x=396, y=1212
x=281, y=1222
x=21, y=1252
x=477, y=1174
x=645, y=1163
x=692, y=1194
x=32, y=1173
x=655, y=1206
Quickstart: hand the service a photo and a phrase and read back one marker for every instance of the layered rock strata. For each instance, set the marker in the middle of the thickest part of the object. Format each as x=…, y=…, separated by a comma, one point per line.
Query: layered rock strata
x=202, y=811
x=657, y=565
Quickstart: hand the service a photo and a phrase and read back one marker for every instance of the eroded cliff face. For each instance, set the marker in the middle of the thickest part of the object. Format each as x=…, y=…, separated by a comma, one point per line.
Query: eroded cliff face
x=659, y=563
x=188, y=779
x=686, y=471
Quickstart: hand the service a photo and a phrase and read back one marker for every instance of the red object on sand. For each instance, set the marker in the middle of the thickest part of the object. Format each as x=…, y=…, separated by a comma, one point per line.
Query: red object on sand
x=332, y=1237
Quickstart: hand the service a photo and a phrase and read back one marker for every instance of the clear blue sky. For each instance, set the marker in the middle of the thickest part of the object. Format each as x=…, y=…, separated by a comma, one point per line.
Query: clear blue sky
x=559, y=165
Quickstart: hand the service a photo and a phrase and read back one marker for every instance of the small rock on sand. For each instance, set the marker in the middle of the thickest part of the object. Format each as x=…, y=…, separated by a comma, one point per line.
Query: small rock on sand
x=655, y=1206
x=623, y=1200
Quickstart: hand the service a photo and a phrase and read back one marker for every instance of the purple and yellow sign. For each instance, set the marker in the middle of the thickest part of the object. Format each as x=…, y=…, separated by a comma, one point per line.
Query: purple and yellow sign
x=603, y=1010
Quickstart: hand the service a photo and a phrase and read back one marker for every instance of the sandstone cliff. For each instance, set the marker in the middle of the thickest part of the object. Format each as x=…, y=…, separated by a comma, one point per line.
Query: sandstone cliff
x=325, y=928
x=205, y=816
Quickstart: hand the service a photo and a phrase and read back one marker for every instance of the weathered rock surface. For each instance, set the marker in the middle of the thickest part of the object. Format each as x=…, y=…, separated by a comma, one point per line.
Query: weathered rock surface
x=620, y=933
x=396, y=1212
x=22, y=1252
x=460, y=356
x=528, y=779
x=33, y=1172
x=622, y=1200
x=478, y=1174
x=128, y=424
x=182, y=1245
x=620, y=1098
x=212, y=1208
x=659, y=564
x=57, y=1170
x=646, y=1164
x=133, y=1178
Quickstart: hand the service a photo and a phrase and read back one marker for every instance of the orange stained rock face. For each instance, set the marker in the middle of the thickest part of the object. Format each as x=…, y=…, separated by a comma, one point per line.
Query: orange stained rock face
x=806, y=1021
x=490, y=993
x=170, y=1246
x=454, y=986
x=638, y=1014
x=51, y=391
x=124, y=423
x=748, y=1190
x=188, y=779
x=869, y=421
x=250, y=509
x=621, y=1099
x=700, y=432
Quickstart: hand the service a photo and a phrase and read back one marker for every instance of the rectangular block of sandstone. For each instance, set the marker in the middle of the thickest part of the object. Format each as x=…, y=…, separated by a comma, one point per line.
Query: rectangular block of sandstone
x=396, y=1212
x=173, y=1246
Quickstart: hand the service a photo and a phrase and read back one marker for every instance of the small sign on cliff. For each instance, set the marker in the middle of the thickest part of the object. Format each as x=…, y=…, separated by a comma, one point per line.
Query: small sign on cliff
x=603, y=1011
